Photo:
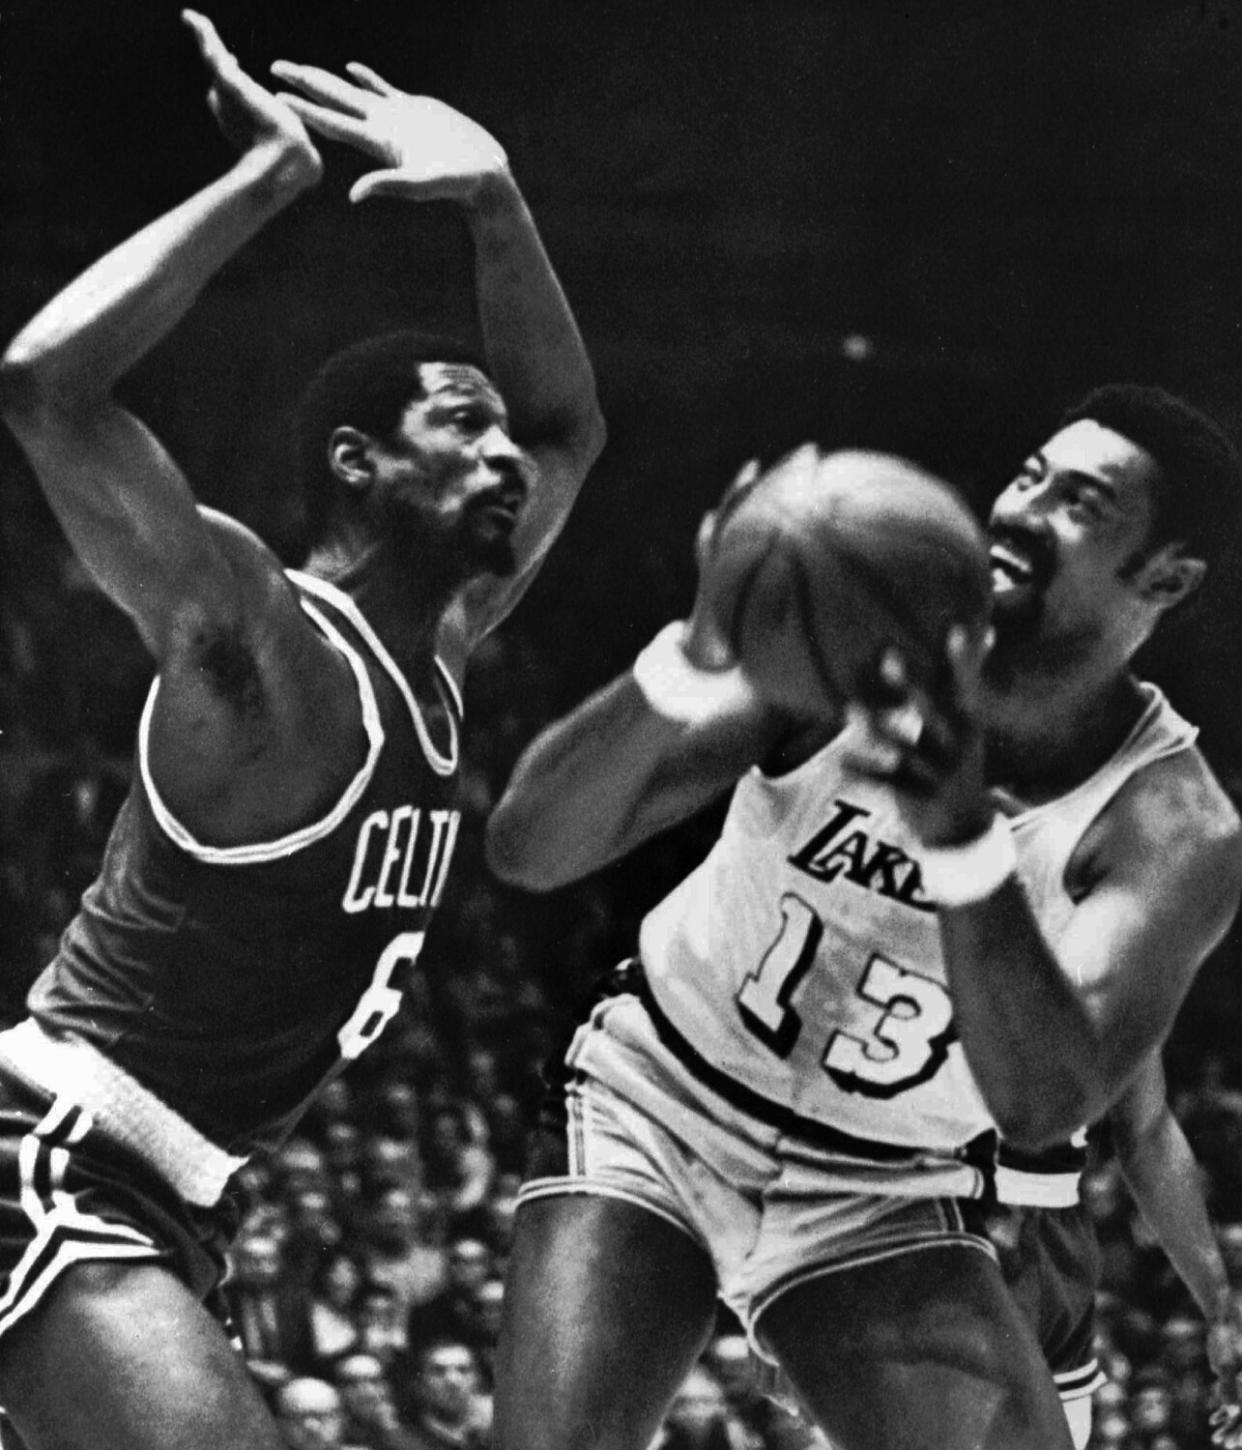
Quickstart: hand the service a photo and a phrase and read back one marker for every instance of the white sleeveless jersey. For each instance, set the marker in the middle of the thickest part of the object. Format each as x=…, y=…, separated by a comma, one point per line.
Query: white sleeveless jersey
x=801, y=961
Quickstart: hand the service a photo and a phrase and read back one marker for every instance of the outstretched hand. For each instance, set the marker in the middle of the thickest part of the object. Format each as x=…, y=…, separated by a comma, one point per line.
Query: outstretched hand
x=429, y=151
x=248, y=115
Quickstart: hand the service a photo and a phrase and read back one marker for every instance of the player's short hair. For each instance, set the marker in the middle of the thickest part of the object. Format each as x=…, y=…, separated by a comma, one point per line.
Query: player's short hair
x=367, y=385
x=1200, y=469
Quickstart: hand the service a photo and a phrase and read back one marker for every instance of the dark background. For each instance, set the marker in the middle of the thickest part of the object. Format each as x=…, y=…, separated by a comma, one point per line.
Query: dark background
x=921, y=226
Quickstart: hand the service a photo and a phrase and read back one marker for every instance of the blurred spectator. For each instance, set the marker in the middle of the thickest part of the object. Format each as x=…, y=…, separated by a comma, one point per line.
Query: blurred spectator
x=269, y=1315
x=700, y=1418
x=371, y=1419
x=381, y=1323
x=442, y=1402
x=489, y=1303
x=453, y=1313
x=388, y=1162
x=746, y=1381
x=333, y=1291
x=394, y=1250
x=1151, y=1406
x=458, y=1169
x=310, y=1415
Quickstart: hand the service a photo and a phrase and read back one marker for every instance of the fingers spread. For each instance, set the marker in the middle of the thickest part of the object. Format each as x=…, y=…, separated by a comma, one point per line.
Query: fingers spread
x=326, y=122
x=322, y=86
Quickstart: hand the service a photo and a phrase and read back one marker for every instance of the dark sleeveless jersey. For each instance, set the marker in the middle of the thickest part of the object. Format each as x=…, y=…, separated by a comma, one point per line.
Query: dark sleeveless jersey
x=230, y=982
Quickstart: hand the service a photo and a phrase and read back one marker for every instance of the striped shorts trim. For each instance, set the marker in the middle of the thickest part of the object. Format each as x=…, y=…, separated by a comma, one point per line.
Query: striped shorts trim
x=69, y=1194
x=63, y=1234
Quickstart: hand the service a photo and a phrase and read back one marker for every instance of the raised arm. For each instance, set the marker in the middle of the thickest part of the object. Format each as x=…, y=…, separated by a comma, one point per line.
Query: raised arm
x=431, y=152
x=1163, y=1178
x=123, y=503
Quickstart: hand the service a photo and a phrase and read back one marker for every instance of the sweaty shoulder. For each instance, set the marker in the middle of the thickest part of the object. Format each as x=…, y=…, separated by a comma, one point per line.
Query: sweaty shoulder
x=1171, y=820
x=255, y=713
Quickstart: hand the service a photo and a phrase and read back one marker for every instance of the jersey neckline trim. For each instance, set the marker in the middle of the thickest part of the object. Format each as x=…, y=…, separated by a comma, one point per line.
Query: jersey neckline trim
x=441, y=763
x=1181, y=736
x=262, y=851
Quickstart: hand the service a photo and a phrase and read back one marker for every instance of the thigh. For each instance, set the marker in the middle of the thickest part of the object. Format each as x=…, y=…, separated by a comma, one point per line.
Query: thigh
x=921, y=1348
x=122, y=1356
x=607, y=1306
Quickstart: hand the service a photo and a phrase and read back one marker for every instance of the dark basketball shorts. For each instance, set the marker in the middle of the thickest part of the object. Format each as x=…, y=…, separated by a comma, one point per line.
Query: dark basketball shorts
x=1051, y=1262
x=69, y=1193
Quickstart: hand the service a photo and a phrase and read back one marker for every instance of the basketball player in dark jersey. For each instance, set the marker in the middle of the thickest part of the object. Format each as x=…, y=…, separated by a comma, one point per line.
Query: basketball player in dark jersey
x=293, y=814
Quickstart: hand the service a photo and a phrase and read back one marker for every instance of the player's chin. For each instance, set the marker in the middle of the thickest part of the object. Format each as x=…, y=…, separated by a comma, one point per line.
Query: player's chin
x=494, y=555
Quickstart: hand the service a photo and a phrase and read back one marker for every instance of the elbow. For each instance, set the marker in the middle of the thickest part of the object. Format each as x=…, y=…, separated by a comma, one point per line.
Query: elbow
x=21, y=392
x=511, y=856
x=1043, y=1116
x=32, y=395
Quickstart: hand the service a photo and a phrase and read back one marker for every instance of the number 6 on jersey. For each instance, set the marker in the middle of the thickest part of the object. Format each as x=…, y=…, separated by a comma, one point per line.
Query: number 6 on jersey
x=379, y=1003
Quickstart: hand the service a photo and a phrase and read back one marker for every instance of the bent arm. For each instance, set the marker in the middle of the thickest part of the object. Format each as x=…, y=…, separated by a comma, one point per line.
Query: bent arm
x=540, y=364
x=123, y=503
x=611, y=775
x=1053, y=1036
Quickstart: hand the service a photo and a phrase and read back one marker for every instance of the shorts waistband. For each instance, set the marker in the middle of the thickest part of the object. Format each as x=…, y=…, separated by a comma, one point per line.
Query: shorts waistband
x=979, y=1153
x=122, y=1108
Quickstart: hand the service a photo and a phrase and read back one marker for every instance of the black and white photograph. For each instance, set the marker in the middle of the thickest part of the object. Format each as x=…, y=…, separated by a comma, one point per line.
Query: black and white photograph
x=620, y=725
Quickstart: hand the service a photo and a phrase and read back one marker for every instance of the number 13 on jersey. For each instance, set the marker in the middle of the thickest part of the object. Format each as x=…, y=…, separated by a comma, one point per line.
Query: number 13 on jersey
x=913, y=1017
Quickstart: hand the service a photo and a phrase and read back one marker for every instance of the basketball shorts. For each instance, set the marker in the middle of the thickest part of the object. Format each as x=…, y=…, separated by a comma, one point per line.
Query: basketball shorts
x=628, y=1121
x=68, y=1194
x=1050, y=1260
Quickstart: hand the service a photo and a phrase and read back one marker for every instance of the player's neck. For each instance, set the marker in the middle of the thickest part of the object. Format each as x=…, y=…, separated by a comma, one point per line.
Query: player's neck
x=403, y=604
x=1046, y=739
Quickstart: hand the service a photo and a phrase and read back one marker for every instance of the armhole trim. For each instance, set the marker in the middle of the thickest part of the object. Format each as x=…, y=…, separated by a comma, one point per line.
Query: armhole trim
x=441, y=763
x=260, y=851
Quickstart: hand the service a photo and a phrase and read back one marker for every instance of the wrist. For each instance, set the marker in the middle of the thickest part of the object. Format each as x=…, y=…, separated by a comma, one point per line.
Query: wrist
x=279, y=171
x=971, y=870
x=495, y=197
x=678, y=688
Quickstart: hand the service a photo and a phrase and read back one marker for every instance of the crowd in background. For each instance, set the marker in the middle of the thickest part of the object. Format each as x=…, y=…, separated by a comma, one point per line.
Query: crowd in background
x=367, y=1275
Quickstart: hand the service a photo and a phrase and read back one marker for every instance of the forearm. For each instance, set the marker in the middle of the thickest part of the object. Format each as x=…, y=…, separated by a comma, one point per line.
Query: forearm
x=570, y=804
x=1163, y=1177
x=532, y=342
x=1025, y=1031
x=98, y=327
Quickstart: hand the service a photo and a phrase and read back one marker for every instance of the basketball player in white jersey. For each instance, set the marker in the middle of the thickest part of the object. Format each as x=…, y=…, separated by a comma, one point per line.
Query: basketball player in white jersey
x=957, y=914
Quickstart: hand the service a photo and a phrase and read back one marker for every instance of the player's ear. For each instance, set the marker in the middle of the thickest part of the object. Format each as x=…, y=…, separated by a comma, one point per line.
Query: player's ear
x=1170, y=576
x=350, y=457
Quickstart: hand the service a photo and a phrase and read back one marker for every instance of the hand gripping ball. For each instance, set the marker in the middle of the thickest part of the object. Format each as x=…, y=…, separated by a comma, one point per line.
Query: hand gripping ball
x=830, y=559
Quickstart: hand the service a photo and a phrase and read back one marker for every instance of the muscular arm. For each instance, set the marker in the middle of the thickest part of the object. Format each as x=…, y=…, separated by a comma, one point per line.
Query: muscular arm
x=430, y=152
x=612, y=774
x=122, y=501
x=1053, y=1037
x=541, y=367
x=1163, y=1177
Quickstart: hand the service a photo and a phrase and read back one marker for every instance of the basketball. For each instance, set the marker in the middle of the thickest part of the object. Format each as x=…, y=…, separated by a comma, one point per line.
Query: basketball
x=829, y=560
